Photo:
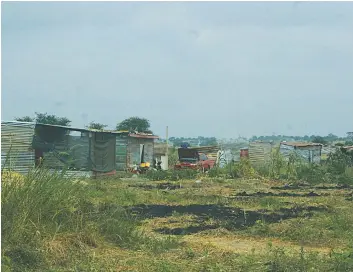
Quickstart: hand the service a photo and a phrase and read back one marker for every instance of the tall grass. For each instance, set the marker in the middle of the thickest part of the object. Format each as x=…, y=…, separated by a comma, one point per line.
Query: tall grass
x=35, y=207
x=336, y=169
x=43, y=207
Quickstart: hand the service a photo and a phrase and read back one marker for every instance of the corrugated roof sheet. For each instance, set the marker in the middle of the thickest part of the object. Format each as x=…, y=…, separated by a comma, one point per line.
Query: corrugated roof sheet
x=298, y=144
x=142, y=135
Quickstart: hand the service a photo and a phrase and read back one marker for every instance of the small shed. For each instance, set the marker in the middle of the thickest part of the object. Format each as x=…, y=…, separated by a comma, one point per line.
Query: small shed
x=26, y=145
x=129, y=147
x=310, y=152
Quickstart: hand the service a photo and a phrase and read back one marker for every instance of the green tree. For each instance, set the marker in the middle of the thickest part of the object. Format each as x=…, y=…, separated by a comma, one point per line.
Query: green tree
x=97, y=126
x=318, y=140
x=44, y=118
x=25, y=119
x=135, y=124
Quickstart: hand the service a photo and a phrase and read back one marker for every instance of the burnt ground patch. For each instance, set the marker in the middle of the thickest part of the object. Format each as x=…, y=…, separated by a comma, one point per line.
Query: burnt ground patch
x=159, y=186
x=301, y=186
x=222, y=216
x=263, y=194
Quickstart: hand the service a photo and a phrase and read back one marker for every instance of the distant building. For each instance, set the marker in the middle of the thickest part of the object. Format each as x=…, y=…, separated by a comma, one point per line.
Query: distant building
x=310, y=152
x=260, y=152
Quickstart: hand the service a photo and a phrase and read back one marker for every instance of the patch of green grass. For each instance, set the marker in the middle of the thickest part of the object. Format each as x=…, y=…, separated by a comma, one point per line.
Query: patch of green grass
x=270, y=203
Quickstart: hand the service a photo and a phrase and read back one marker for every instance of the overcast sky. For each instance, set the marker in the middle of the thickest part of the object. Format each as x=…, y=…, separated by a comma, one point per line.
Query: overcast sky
x=212, y=69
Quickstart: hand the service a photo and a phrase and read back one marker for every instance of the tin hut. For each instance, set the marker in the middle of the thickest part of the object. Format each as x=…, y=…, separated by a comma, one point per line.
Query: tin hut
x=310, y=152
x=83, y=151
x=129, y=148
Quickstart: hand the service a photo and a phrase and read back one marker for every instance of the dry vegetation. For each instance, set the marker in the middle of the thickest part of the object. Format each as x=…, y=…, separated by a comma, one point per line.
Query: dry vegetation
x=250, y=222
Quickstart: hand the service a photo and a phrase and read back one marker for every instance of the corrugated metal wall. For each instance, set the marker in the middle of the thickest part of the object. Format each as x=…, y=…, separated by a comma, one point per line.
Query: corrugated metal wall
x=260, y=152
x=16, y=138
x=121, y=152
x=133, y=149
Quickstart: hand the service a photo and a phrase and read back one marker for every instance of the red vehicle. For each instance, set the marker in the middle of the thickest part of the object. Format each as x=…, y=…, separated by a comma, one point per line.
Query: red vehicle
x=192, y=159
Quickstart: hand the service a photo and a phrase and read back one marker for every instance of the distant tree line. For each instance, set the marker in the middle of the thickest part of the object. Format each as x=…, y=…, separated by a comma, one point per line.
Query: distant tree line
x=139, y=124
x=330, y=138
x=202, y=141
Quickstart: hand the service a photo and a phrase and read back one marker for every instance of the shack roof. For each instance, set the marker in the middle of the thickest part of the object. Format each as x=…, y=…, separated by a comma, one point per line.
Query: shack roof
x=63, y=127
x=135, y=134
x=206, y=149
x=297, y=144
x=143, y=135
x=349, y=148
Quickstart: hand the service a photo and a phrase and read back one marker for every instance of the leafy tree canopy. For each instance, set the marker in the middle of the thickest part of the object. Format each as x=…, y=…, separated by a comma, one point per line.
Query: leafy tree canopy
x=319, y=140
x=135, y=124
x=44, y=118
x=97, y=126
x=25, y=119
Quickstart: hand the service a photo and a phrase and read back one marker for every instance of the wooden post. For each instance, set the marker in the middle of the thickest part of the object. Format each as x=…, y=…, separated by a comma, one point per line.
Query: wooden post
x=166, y=151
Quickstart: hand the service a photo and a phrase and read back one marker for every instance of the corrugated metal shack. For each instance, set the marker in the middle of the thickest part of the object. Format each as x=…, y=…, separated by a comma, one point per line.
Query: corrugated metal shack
x=129, y=148
x=17, y=153
x=25, y=145
x=310, y=152
x=56, y=147
x=260, y=152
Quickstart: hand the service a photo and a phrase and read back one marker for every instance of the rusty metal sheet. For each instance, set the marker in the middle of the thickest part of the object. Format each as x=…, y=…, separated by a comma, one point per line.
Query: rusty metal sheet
x=260, y=152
